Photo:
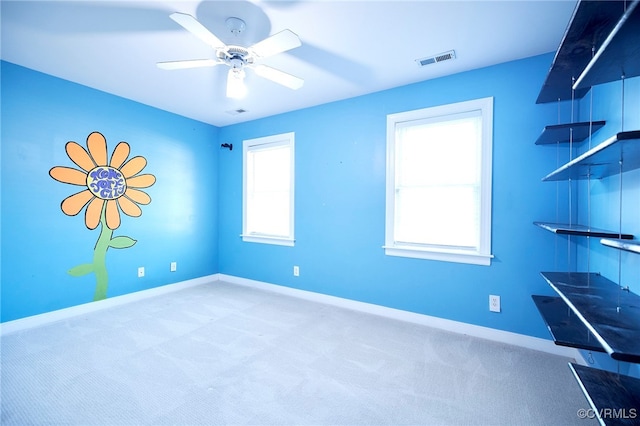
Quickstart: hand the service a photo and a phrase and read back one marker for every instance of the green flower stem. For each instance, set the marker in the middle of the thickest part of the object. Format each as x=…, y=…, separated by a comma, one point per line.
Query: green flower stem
x=99, y=264
x=100, y=258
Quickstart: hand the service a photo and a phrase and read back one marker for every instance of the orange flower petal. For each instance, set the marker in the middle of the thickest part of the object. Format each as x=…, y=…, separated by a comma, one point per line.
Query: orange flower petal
x=68, y=175
x=129, y=207
x=119, y=155
x=112, y=214
x=97, y=145
x=72, y=205
x=133, y=166
x=141, y=181
x=139, y=197
x=79, y=155
x=93, y=213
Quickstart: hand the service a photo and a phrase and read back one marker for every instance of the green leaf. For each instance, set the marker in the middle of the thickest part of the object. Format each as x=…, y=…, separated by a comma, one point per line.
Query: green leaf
x=122, y=242
x=80, y=270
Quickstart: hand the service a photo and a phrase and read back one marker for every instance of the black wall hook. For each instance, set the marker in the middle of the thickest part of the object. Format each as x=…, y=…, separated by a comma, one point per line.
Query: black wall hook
x=227, y=145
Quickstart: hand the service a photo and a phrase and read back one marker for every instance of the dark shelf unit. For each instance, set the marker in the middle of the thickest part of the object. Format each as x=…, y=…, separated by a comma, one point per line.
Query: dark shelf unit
x=614, y=398
x=601, y=44
x=610, y=312
x=603, y=160
x=590, y=24
x=622, y=244
x=581, y=231
x=570, y=132
x=618, y=55
x=565, y=327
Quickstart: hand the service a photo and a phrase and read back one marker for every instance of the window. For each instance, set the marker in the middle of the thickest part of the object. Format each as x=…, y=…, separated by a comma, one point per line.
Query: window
x=439, y=183
x=268, y=189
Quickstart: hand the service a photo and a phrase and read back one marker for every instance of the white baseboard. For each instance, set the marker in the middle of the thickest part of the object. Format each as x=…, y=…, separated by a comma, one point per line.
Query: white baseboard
x=520, y=340
x=507, y=337
x=62, y=314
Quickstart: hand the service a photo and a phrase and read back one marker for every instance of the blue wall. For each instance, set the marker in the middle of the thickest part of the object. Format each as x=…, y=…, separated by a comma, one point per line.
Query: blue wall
x=40, y=114
x=340, y=203
x=195, y=217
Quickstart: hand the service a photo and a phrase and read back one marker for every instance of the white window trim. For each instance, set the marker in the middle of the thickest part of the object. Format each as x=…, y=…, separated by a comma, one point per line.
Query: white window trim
x=483, y=255
x=254, y=238
x=274, y=140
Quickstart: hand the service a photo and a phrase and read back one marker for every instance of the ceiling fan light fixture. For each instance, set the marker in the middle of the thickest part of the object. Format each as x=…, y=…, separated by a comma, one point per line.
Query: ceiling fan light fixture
x=235, y=83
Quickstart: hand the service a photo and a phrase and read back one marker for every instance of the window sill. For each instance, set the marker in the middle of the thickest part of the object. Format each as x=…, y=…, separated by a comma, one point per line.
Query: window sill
x=268, y=240
x=457, y=256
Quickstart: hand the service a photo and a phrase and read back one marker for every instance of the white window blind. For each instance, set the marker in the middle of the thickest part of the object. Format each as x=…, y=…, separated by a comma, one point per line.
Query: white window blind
x=439, y=183
x=268, y=196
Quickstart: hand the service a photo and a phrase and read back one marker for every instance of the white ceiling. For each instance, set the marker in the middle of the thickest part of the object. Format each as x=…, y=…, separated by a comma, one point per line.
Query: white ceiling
x=349, y=48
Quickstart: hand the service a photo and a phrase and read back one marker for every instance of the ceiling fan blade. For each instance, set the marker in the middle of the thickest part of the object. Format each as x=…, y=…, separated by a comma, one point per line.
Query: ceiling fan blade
x=192, y=25
x=280, y=77
x=192, y=63
x=277, y=43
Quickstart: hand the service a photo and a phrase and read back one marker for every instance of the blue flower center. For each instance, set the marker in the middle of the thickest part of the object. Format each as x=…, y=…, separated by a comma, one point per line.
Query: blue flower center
x=106, y=183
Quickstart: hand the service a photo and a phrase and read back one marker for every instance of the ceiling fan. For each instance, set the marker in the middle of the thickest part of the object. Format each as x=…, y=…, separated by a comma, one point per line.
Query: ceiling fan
x=237, y=58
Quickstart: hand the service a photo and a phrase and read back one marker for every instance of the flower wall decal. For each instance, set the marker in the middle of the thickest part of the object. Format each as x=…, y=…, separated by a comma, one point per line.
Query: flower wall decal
x=108, y=188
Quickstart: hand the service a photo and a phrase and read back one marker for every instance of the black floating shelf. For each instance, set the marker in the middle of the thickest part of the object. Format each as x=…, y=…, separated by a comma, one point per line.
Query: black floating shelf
x=562, y=133
x=581, y=230
x=591, y=23
x=626, y=245
x=565, y=327
x=611, y=313
x=618, y=55
x=603, y=160
x=614, y=398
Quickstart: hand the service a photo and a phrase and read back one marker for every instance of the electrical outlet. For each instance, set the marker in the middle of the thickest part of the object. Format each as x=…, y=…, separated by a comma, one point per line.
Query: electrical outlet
x=174, y=266
x=494, y=303
x=296, y=271
x=141, y=272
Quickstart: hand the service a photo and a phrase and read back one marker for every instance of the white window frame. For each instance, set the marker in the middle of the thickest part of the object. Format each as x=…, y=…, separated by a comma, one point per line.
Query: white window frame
x=480, y=255
x=284, y=139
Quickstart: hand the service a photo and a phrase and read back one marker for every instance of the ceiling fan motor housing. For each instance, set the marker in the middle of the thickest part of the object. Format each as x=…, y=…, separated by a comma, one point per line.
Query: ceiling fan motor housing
x=235, y=56
x=236, y=63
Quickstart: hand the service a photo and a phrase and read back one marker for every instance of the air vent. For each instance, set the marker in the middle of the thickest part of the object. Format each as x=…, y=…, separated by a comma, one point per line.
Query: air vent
x=236, y=111
x=445, y=56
